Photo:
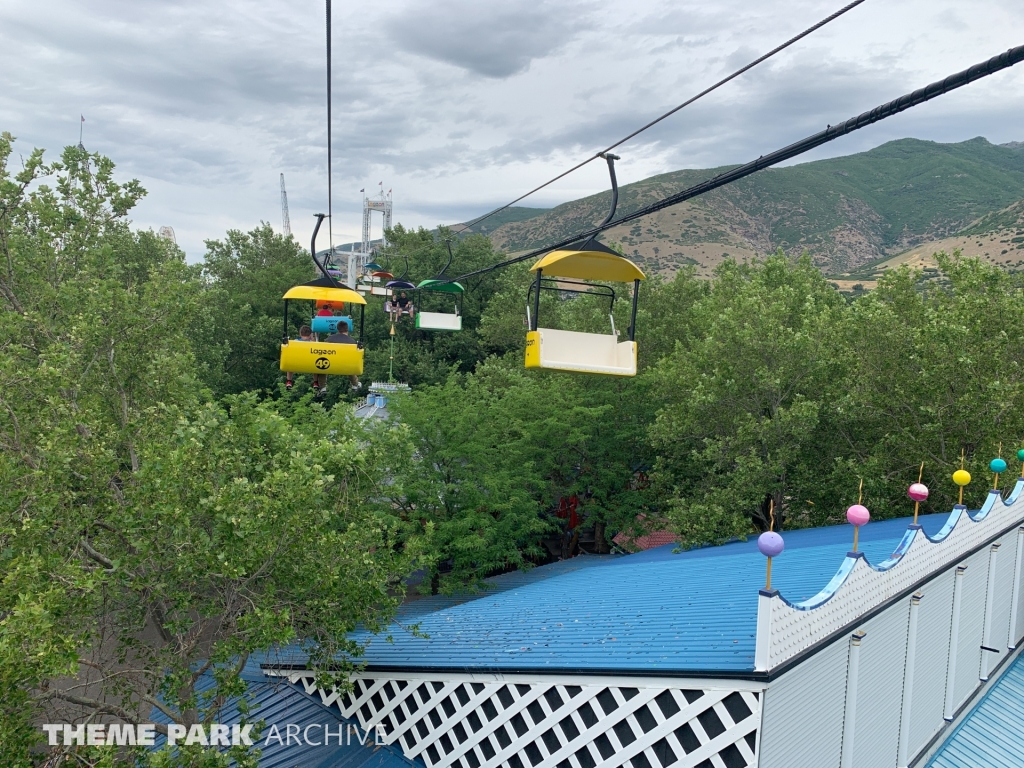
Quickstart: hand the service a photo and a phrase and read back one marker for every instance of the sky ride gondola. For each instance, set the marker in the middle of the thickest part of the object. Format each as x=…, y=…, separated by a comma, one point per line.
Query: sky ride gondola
x=373, y=275
x=441, y=321
x=575, y=269
x=393, y=306
x=373, y=272
x=374, y=288
x=322, y=357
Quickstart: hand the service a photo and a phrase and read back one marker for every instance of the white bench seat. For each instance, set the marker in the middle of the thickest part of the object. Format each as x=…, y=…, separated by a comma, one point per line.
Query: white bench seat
x=581, y=352
x=438, y=321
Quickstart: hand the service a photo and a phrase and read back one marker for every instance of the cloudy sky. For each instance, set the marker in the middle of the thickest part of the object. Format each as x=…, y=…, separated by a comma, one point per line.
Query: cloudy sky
x=462, y=105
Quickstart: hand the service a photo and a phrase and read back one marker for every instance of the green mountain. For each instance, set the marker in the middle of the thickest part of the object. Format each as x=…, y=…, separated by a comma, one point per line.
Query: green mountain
x=845, y=211
x=513, y=214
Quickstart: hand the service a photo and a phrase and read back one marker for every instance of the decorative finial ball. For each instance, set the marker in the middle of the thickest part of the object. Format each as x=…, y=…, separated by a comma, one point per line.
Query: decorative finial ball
x=1020, y=455
x=918, y=492
x=858, y=515
x=997, y=465
x=961, y=477
x=770, y=544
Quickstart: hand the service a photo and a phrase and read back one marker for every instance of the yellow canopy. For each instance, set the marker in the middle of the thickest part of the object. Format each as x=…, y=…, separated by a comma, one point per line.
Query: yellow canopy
x=589, y=265
x=318, y=293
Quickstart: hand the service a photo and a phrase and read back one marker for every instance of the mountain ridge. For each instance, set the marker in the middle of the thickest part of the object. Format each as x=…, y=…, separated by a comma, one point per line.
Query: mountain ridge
x=845, y=212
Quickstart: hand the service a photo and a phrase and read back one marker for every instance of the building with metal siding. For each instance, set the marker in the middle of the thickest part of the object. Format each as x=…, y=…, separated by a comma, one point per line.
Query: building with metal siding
x=663, y=658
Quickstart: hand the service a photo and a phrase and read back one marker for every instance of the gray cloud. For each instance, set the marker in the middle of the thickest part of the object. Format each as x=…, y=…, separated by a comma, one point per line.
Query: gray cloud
x=490, y=39
x=461, y=105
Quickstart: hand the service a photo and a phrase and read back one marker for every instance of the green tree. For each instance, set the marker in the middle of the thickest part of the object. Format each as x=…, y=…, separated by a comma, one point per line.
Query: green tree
x=496, y=449
x=236, y=332
x=935, y=371
x=148, y=537
x=744, y=419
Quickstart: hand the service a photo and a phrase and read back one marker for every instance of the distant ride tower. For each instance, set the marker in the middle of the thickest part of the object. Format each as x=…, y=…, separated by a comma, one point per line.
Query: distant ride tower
x=286, y=224
x=382, y=204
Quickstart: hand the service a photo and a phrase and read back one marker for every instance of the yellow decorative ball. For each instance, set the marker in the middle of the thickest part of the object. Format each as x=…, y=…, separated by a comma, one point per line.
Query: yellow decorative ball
x=961, y=477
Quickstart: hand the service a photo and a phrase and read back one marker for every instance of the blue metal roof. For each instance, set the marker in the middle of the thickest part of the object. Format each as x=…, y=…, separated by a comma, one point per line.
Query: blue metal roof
x=992, y=735
x=502, y=583
x=656, y=611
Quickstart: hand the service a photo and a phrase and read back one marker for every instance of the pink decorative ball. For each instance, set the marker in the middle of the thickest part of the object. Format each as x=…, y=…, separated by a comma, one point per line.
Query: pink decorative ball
x=770, y=544
x=858, y=515
x=918, y=492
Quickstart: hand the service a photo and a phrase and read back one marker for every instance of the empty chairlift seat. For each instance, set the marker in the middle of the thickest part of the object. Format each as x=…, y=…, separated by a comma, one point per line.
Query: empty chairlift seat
x=572, y=270
x=441, y=321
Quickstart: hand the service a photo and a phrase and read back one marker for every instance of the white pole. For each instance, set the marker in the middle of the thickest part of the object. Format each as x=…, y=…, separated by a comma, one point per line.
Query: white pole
x=990, y=598
x=763, y=641
x=954, y=640
x=1015, y=599
x=850, y=721
x=908, y=682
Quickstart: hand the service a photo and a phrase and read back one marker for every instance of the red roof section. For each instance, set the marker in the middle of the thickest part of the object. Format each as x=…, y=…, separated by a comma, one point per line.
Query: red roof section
x=650, y=541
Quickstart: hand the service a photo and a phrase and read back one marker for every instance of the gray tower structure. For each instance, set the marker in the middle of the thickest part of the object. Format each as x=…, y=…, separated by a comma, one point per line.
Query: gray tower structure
x=286, y=224
x=382, y=204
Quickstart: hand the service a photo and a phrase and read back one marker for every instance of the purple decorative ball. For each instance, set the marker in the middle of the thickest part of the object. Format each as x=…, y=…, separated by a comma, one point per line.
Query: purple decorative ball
x=858, y=515
x=771, y=544
x=918, y=492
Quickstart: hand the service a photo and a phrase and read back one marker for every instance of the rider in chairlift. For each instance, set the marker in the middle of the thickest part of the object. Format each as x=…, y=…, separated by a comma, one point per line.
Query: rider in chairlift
x=319, y=379
x=342, y=337
x=401, y=305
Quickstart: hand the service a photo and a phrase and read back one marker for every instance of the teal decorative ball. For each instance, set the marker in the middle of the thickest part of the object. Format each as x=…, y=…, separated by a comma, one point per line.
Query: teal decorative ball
x=997, y=465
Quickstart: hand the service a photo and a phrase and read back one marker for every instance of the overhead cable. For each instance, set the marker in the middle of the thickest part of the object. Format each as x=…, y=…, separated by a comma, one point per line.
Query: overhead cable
x=671, y=112
x=832, y=132
x=330, y=202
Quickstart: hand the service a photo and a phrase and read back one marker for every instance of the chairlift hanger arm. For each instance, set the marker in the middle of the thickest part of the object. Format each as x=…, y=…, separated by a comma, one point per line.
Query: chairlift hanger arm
x=312, y=249
x=615, y=184
x=615, y=196
x=831, y=133
x=448, y=243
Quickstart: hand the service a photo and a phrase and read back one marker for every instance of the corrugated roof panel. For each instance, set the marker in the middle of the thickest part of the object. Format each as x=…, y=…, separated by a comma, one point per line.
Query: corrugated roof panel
x=502, y=583
x=693, y=611
x=992, y=735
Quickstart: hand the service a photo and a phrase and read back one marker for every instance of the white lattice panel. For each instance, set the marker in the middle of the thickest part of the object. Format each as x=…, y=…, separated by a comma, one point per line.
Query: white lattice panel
x=858, y=588
x=478, y=721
